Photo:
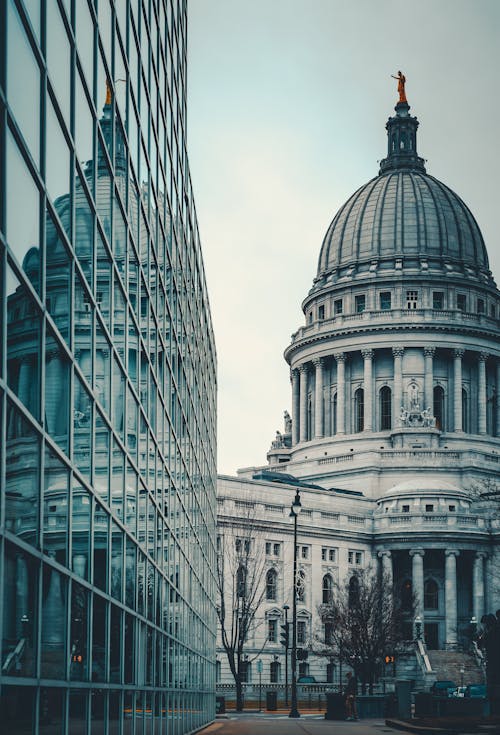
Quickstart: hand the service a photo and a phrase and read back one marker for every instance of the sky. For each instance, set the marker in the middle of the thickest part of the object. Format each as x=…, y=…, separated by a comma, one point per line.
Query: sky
x=287, y=105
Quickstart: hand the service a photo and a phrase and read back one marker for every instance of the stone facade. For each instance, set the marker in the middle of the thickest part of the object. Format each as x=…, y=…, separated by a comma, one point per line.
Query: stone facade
x=395, y=384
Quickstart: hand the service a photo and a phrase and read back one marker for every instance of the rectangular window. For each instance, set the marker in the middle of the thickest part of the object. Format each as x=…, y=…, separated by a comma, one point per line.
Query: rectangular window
x=350, y=557
x=411, y=299
x=429, y=508
x=328, y=554
x=272, y=629
x=492, y=311
x=385, y=300
x=304, y=552
x=437, y=300
x=358, y=557
x=321, y=312
x=310, y=317
x=405, y=509
x=461, y=302
x=301, y=632
x=277, y=549
x=360, y=303
x=451, y=508
x=268, y=548
x=337, y=306
x=480, y=306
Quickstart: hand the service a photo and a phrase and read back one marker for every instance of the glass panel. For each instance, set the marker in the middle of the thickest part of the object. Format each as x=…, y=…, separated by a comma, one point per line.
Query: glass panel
x=116, y=561
x=103, y=367
x=85, y=40
x=23, y=213
x=23, y=83
x=84, y=230
x=23, y=346
x=101, y=457
x=115, y=712
x=98, y=711
x=99, y=642
x=51, y=711
x=82, y=428
x=17, y=709
x=58, y=57
x=55, y=507
x=80, y=537
x=84, y=130
x=84, y=317
x=54, y=597
x=78, y=710
x=101, y=533
x=58, y=278
x=115, y=644
x=57, y=168
x=130, y=573
x=20, y=596
x=79, y=645
x=22, y=478
x=57, y=368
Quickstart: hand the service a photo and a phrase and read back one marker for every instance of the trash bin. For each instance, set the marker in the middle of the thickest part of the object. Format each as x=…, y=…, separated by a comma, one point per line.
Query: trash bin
x=272, y=701
x=335, y=706
x=220, y=705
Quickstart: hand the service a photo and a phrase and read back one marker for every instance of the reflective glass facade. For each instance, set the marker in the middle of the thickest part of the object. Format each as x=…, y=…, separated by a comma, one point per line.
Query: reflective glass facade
x=107, y=377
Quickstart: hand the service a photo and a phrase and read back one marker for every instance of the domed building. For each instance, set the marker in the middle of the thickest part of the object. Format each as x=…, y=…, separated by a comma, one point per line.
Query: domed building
x=395, y=382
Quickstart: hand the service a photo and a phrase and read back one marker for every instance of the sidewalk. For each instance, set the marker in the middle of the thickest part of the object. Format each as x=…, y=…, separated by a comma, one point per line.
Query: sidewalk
x=263, y=723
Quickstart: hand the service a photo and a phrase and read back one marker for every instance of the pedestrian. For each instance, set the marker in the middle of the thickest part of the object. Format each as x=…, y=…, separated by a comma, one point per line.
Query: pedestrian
x=351, y=690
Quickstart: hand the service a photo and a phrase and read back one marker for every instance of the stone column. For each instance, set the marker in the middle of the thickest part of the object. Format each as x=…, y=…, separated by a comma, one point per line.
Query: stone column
x=294, y=374
x=429, y=353
x=450, y=588
x=318, y=398
x=340, y=359
x=417, y=581
x=498, y=397
x=398, y=381
x=303, y=403
x=478, y=585
x=457, y=389
x=368, y=388
x=481, y=392
x=386, y=561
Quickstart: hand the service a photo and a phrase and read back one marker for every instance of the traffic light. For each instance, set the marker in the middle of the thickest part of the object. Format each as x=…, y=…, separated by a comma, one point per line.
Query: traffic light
x=285, y=635
x=389, y=659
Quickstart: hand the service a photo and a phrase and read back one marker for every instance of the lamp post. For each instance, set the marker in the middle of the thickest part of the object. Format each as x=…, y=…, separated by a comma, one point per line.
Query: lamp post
x=418, y=627
x=286, y=609
x=294, y=512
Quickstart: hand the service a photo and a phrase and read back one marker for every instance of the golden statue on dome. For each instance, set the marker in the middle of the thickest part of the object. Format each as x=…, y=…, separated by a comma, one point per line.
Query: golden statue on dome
x=401, y=86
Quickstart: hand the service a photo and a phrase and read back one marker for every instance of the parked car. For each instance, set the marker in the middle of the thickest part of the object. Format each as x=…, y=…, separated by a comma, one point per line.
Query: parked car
x=475, y=690
x=443, y=688
x=306, y=680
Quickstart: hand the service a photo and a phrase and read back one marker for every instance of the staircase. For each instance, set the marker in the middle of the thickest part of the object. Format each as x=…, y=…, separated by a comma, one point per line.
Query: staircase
x=448, y=665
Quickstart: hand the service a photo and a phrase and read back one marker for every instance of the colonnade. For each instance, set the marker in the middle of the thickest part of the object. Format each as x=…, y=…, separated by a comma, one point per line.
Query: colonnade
x=418, y=577
x=300, y=390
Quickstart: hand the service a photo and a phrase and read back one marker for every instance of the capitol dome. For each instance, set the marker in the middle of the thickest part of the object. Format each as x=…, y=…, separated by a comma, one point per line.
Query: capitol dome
x=403, y=216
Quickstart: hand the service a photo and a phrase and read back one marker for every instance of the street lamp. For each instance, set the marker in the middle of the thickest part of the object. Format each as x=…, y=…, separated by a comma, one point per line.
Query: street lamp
x=287, y=645
x=294, y=512
x=418, y=627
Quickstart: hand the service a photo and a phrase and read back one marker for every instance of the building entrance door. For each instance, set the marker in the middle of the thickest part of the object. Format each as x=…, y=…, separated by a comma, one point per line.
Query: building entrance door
x=431, y=635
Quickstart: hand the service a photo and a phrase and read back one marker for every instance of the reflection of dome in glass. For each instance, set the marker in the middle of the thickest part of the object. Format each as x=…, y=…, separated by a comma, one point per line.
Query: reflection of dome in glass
x=403, y=214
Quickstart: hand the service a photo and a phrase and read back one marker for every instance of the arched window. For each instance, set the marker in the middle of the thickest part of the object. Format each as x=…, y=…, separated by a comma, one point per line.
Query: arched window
x=465, y=410
x=327, y=589
x=241, y=581
x=406, y=595
x=385, y=408
x=431, y=599
x=271, y=584
x=359, y=410
x=353, y=591
x=301, y=586
x=439, y=407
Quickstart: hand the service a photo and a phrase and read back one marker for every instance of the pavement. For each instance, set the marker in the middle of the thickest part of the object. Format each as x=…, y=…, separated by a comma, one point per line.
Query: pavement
x=308, y=724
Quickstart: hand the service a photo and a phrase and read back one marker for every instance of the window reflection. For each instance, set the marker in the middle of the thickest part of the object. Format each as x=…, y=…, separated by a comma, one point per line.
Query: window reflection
x=20, y=623
x=54, y=599
x=57, y=369
x=55, y=507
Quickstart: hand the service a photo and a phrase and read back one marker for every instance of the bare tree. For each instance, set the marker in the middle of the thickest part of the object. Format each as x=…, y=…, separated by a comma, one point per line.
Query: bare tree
x=362, y=622
x=241, y=588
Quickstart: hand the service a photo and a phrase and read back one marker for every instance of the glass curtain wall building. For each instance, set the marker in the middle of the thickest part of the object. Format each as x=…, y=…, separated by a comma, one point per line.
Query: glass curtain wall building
x=107, y=377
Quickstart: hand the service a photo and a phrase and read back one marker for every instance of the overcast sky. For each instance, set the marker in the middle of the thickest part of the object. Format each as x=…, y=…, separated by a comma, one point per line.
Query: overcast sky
x=287, y=105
